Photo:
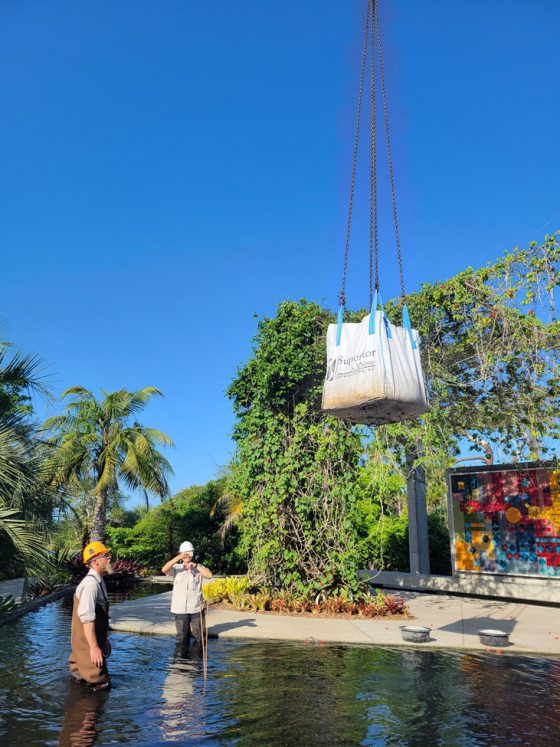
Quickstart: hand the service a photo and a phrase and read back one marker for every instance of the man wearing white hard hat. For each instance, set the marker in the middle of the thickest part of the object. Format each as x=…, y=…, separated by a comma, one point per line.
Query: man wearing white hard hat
x=187, y=602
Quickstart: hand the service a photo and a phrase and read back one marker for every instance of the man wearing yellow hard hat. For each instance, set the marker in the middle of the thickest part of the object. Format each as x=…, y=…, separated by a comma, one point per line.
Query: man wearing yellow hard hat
x=90, y=621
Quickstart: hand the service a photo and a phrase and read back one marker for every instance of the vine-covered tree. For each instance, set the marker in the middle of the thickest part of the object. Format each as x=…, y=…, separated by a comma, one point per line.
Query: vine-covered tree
x=490, y=343
x=295, y=470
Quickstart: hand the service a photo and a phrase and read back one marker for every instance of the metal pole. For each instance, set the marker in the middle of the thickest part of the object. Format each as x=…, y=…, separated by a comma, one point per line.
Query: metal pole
x=419, y=548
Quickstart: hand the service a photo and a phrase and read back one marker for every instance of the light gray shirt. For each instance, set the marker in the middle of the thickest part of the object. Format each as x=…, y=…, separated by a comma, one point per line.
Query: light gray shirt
x=91, y=591
x=187, y=590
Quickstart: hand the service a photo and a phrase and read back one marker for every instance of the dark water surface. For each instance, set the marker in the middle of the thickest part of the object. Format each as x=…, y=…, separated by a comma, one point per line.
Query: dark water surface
x=264, y=693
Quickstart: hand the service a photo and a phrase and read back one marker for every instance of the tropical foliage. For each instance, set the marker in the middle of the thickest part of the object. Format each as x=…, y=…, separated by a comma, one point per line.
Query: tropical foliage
x=26, y=501
x=73, y=526
x=241, y=594
x=319, y=499
x=99, y=442
x=7, y=604
x=191, y=514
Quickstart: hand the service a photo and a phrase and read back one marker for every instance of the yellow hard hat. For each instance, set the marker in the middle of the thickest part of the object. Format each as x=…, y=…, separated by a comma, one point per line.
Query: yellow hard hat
x=94, y=549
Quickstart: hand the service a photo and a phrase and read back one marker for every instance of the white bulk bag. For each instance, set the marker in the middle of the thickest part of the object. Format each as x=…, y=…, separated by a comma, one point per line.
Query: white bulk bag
x=374, y=373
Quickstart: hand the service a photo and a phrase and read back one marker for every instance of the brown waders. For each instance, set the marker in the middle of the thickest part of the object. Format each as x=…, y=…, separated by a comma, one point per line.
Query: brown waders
x=81, y=667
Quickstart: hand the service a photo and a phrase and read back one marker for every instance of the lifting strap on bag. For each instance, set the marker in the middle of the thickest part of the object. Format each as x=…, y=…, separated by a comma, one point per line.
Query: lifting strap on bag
x=377, y=302
x=406, y=325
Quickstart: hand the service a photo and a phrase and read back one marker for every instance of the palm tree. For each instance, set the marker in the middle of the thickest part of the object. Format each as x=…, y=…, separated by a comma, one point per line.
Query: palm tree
x=230, y=503
x=26, y=502
x=100, y=441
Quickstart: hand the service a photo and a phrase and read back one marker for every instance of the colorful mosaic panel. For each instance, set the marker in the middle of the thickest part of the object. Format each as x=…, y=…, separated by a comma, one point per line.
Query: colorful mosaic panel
x=507, y=522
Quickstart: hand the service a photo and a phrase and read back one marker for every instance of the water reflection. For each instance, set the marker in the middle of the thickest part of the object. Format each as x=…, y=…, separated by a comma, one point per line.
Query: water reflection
x=300, y=696
x=183, y=694
x=267, y=693
x=497, y=690
x=428, y=708
x=82, y=709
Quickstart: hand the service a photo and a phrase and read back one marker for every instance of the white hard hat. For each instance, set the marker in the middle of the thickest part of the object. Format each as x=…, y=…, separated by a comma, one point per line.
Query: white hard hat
x=186, y=547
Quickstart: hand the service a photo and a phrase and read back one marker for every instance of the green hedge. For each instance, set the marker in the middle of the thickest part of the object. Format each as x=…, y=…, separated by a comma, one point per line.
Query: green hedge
x=186, y=516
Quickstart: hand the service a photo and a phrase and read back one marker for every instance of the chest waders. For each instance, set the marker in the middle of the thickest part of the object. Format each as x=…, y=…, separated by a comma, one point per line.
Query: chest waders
x=81, y=666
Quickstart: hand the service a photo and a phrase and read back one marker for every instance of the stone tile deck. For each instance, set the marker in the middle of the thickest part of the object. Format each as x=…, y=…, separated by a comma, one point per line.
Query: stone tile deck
x=455, y=622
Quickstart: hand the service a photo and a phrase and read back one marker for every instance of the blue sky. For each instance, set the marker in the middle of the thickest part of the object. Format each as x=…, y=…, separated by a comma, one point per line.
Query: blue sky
x=170, y=171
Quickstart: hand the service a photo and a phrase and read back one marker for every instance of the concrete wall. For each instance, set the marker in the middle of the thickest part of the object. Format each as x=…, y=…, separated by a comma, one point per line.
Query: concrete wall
x=517, y=588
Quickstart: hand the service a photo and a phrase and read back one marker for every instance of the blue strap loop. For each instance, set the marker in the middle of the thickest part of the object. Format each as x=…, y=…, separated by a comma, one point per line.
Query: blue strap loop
x=339, y=324
x=372, y=314
x=407, y=326
x=371, y=329
x=385, y=320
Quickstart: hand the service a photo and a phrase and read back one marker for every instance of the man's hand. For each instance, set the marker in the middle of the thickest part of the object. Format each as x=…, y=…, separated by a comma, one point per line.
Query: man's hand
x=96, y=656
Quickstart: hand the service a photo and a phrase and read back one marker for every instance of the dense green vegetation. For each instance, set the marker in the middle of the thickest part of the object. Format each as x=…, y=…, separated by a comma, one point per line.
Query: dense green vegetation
x=319, y=499
x=26, y=499
x=307, y=500
x=296, y=470
x=190, y=514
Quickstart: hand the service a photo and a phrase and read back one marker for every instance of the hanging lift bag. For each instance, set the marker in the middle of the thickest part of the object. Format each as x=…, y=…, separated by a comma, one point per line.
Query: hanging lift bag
x=374, y=373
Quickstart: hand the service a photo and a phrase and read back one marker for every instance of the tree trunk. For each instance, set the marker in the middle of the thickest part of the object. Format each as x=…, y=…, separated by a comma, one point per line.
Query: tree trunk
x=85, y=537
x=99, y=517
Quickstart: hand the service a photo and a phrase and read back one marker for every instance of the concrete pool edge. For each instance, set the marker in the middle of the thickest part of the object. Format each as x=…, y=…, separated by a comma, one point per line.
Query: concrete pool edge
x=533, y=629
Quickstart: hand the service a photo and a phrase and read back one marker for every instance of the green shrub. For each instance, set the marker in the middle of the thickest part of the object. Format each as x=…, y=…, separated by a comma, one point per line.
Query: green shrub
x=384, y=543
x=226, y=589
x=384, y=539
x=188, y=515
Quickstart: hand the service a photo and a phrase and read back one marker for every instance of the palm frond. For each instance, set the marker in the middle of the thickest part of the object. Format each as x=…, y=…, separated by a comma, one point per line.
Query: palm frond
x=79, y=391
x=27, y=543
x=158, y=437
x=108, y=462
x=21, y=372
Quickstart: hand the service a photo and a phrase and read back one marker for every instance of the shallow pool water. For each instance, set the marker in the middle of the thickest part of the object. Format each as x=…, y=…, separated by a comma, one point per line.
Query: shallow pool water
x=266, y=693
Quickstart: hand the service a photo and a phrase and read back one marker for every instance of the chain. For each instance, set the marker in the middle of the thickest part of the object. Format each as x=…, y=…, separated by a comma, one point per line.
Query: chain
x=372, y=25
x=373, y=232
x=342, y=297
x=386, y=115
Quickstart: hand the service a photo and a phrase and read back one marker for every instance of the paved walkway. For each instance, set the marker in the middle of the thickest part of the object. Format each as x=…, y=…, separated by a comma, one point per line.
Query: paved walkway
x=455, y=623
x=12, y=588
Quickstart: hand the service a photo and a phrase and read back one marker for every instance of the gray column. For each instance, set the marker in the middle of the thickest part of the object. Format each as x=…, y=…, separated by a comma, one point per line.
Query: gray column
x=418, y=544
